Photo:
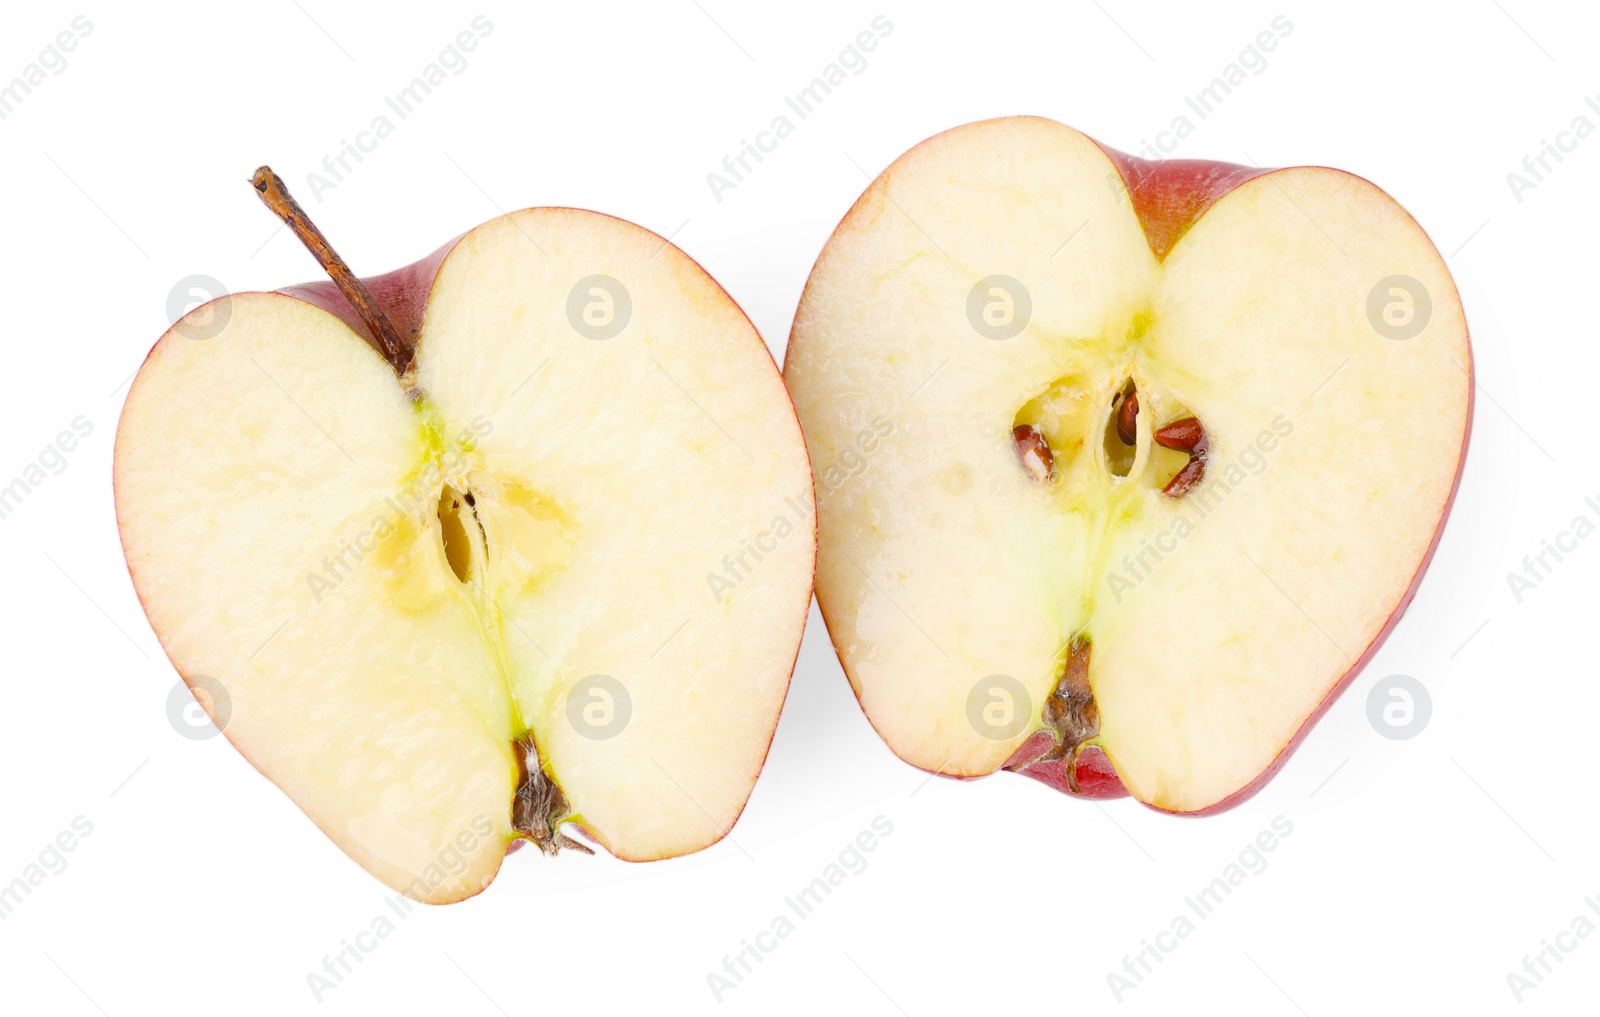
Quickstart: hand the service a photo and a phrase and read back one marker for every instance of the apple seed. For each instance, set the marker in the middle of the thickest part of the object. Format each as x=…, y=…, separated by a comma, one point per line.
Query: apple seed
x=1034, y=452
x=1185, y=435
x=1127, y=419
x=1187, y=477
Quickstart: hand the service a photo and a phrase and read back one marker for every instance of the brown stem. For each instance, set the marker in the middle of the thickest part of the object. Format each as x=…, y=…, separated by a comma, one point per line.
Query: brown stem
x=276, y=197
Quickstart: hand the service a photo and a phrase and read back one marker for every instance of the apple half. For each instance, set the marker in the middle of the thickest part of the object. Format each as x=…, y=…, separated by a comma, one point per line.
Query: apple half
x=1125, y=468
x=519, y=536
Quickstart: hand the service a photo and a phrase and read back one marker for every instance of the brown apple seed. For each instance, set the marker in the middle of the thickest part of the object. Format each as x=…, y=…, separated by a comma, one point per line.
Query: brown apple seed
x=1127, y=419
x=1187, y=477
x=1185, y=435
x=1034, y=452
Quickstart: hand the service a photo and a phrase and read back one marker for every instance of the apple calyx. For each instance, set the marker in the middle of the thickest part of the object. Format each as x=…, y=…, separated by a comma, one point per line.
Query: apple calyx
x=539, y=807
x=384, y=336
x=1070, y=713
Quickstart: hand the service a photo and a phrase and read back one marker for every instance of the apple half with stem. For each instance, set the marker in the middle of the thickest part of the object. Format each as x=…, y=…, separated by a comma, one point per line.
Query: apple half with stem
x=517, y=537
x=1141, y=460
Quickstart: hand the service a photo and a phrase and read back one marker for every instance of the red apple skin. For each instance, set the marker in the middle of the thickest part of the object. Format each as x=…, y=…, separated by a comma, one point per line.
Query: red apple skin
x=403, y=294
x=1095, y=775
x=1169, y=196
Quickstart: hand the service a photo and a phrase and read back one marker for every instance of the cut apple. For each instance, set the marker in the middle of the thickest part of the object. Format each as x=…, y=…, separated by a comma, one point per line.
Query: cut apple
x=1172, y=445
x=445, y=540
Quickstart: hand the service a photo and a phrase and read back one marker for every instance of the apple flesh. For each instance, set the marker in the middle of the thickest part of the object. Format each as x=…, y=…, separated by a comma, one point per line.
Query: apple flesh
x=1173, y=443
x=462, y=605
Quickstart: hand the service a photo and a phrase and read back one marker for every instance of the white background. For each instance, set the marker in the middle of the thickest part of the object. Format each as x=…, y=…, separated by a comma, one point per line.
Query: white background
x=1419, y=872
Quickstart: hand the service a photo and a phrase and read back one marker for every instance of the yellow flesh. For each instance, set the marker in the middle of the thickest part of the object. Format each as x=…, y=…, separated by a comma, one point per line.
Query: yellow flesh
x=943, y=563
x=606, y=488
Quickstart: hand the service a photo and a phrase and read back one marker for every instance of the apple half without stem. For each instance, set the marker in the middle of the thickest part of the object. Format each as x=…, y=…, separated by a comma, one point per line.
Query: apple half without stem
x=1170, y=445
x=556, y=570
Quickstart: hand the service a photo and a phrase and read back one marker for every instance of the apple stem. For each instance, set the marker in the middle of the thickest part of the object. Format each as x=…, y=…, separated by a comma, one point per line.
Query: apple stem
x=277, y=197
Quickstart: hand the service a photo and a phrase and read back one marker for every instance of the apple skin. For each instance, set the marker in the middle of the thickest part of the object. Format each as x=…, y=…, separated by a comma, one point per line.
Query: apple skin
x=403, y=295
x=1169, y=196
x=1095, y=776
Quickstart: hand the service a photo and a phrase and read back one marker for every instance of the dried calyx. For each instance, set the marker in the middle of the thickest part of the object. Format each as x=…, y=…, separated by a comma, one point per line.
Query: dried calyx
x=1070, y=714
x=539, y=808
